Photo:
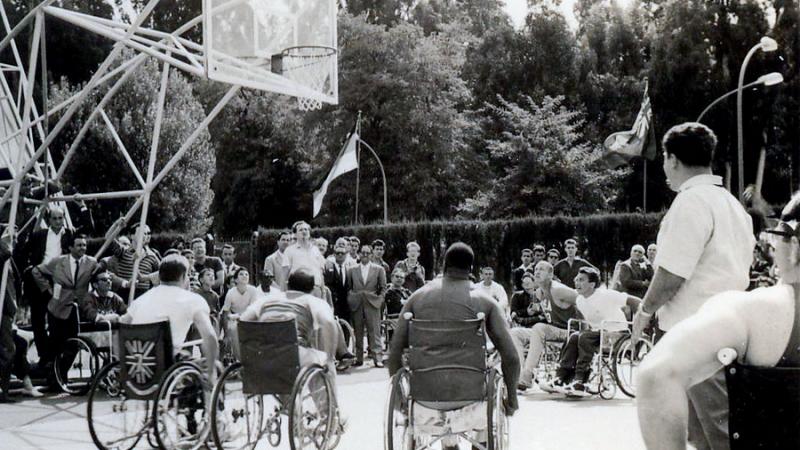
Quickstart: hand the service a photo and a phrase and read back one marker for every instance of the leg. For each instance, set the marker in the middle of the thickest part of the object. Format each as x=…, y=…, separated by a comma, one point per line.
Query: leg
x=539, y=334
x=708, y=414
x=569, y=357
x=21, y=368
x=588, y=343
x=373, y=320
x=358, y=325
x=38, y=304
x=60, y=331
x=522, y=339
x=6, y=357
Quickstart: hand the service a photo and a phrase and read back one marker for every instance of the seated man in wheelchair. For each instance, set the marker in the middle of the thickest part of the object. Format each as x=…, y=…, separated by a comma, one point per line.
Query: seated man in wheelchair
x=762, y=327
x=103, y=304
x=450, y=298
x=597, y=305
x=173, y=301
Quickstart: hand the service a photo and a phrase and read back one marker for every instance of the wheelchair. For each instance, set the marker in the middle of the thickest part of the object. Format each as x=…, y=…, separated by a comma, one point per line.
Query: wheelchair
x=616, y=362
x=81, y=357
x=349, y=334
x=159, y=397
x=253, y=397
x=388, y=325
x=763, y=404
x=438, y=353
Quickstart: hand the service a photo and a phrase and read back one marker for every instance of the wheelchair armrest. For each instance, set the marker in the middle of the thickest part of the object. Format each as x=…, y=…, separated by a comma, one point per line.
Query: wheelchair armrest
x=727, y=356
x=578, y=322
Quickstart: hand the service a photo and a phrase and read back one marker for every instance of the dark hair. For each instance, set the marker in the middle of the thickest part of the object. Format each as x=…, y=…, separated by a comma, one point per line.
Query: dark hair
x=96, y=275
x=539, y=248
x=378, y=243
x=283, y=233
x=172, y=251
x=592, y=274
x=554, y=251
x=196, y=240
x=172, y=268
x=301, y=280
x=527, y=250
x=68, y=240
x=207, y=269
x=528, y=274
x=459, y=256
x=297, y=224
x=354, y=238
x=238, y=271
x=186, y=251
x=692, y=143
x=229, y=246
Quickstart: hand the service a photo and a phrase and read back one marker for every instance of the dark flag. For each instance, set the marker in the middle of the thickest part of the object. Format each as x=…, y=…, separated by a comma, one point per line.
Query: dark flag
x=639, y=141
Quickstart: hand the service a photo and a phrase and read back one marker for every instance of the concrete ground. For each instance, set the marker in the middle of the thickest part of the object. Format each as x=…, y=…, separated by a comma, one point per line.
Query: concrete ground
x=543, y=421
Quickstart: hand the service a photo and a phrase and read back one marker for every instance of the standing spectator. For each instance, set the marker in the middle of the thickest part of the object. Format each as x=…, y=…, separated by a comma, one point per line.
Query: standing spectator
x=634, y=273
x=652, y=251
x=229, y=260
x=355, y=245
x=344, y=243
x=415, y=273
x=203, y=261
x=396, y=295
x=103, y=303
x=336, y=279
x=526, y=310
x=378, y=249
x=126, y=258
x=8, y=348
x=539, y=253
x=526, y=266
x=192, y=274
x=305, y=254
x=705, y=247
x=567, y=269
x=553, y=256
x=322, y=245
x=276, y=262
x=207, y=290
x=367, y=284
x=492, y=288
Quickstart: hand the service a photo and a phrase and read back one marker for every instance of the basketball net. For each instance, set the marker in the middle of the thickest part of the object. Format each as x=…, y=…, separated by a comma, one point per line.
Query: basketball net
x=308, y=66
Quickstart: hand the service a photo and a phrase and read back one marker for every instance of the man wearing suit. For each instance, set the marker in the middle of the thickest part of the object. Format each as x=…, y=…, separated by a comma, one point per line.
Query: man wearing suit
x=65, y=280
x=367, y=283
x=276, y=262
x=336, y=280
x=635, y=274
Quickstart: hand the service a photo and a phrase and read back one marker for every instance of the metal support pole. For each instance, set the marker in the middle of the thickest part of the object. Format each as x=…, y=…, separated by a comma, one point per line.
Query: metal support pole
x=358, y=161
x=383, y=174
x=739, y=125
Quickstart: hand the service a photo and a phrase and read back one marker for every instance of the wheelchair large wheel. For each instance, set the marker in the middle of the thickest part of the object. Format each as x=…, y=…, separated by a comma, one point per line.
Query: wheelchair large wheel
x=497, y=429
x=387, y=331
x=76, y=365
x=115, y=422
x=398, y=434
x=236, y=418
x=625, y=362
x=349, y=335
x=311, y=411
x=179, y=413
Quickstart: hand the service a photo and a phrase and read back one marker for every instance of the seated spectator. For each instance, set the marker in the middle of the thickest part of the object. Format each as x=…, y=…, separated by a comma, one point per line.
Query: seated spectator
x=596, y=305
x=103, y=303
x=415, y=272
x=396, y=295
x=526, y=309
x=237, y=300
x=567, y=269
x=206, y=290
x=493, y=289
x=635, y=274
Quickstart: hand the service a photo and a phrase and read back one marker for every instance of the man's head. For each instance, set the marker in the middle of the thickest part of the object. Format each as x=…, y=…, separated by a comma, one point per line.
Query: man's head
x=652, y=250
x=301, y=280
x=207, y=277
x=637, y=253
x=543, y=272
x=459, y=256
x=527, y=256
x=189, y=255
x=398, y=277
x=124, y=242
x=322, y=245
x=587, y=280
x=173, y=270
x=101, y=282
x=302, y=231
x=553, y=256
x=487, y=275
x=284, y=239
x=378, y=249
x=355, y=246
x=528, y=281
x=340, y=251
x=538, y=253
x=146, y=233
x=265, y=280
x=199, y=248
x=571, y=248
x=787, y=241
x=688, y=150
x=412, y=250
x=241, y=276
x=228, y=254
x=365, y=254
x=55, y=218
x=76, y=244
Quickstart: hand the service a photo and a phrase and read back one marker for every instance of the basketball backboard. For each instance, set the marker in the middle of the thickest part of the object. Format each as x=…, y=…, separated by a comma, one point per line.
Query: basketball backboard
x=283, y=46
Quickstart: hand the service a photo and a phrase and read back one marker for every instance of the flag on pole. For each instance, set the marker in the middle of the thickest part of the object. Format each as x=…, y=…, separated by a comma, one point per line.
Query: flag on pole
x=345, y=162
x=639, y=141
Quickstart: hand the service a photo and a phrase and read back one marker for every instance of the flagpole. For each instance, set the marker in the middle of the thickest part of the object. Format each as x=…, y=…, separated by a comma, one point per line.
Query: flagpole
x=385, y=190
x=644, y=187
x=358, y=161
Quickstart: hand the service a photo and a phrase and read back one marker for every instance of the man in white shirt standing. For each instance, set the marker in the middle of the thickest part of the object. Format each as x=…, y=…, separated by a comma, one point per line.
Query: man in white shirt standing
x=493, y=289
x=276, y=262
x=705, y=247
x=304, y=254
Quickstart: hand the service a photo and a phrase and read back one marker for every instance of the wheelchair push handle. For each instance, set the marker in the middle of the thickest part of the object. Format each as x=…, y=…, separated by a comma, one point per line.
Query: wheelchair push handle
x=409, y=316
x=727, y=356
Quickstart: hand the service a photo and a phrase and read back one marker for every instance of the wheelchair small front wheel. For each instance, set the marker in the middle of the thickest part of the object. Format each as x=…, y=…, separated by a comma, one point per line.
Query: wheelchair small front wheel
x=121, y=426
x=76, y=365
x=236, y=417
x=625, y=362
x=311, y=410
x=399, y=435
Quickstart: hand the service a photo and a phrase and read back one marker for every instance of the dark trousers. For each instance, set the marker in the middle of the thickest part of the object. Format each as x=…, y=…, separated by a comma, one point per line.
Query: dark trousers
x=366, y=315
x=577, y=354
x=7, y=351
x=60, y=330
x=38, y=302
x=342, y=309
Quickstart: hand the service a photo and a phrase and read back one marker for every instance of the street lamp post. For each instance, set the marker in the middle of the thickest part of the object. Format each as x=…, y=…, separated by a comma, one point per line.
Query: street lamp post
x=769, y=79
x=767, y=44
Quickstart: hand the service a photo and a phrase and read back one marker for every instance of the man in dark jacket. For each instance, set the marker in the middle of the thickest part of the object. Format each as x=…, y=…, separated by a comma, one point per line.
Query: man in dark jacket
x=526, y=310
x=635, y=274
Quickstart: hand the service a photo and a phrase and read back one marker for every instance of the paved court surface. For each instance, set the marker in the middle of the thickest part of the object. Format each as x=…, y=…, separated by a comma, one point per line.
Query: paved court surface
x=543, y=422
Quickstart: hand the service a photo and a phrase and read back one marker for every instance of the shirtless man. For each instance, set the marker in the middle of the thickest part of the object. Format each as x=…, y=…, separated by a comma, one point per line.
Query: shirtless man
x=763, y=326
x=557, y=301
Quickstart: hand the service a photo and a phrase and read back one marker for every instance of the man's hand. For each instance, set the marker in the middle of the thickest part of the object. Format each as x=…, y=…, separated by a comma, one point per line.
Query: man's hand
x=511, y=403
x=640, y=321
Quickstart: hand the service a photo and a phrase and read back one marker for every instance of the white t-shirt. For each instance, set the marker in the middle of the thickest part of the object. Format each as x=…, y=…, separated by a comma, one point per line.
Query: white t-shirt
x=603, y=304
x=496, y=292
x=172, y=303
x=297, y=257
x=237, y=303
x=706, y=237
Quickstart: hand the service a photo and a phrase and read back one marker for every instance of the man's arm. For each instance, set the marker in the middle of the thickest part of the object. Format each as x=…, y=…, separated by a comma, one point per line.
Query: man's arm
x=663, y=288
x=399, y=340
x=210, y=346
x=38, y=273
x=509, y=359
x=684, y=357
x=564, y=294
x=381, y=281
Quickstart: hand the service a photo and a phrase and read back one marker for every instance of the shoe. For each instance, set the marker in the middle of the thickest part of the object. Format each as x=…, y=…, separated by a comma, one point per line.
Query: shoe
x=358, y=364
x=554, y=386
x=576, y=389
x=51, y=389
x=522, y=386
x=378, y=363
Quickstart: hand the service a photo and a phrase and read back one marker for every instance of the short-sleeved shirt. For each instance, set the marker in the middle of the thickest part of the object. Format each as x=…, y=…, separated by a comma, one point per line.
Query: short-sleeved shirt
x=707, y=239
x=236, y=302
x=172, y=303
x=210, y=262
x=603, y=304
x=298, y=257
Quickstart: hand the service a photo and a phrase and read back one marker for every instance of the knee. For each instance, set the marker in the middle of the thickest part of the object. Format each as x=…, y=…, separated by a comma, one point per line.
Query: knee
x=538, y=331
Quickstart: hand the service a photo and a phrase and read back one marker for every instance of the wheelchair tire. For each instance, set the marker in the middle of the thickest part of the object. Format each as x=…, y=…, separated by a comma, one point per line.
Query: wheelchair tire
x=497, y=418
x=398, y=434
x=179, y=411
x=80, y=372
x=349, y=335
x=307, y=430
x=625, y=362
x=130, y=419
x=234, y=411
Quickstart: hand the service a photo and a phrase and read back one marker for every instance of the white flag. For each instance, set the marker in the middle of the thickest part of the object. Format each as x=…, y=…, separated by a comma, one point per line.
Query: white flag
x=346, y=162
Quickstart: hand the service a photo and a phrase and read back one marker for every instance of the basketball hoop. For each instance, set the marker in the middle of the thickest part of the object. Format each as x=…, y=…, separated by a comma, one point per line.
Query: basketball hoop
x=308, y=65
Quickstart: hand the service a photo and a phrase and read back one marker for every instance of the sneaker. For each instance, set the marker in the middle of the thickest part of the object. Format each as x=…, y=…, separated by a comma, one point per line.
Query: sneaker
x=523, y=386
x=577, y=389
x=554, y=386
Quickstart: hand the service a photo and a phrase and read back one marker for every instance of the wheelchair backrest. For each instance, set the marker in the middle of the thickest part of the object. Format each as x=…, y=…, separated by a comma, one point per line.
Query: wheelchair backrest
x=447, y=360
x=764, y=407
x=269, y=356
x=145, y=354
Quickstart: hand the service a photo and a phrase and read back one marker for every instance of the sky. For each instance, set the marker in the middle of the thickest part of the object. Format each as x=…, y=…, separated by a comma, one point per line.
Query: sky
x=518, y=9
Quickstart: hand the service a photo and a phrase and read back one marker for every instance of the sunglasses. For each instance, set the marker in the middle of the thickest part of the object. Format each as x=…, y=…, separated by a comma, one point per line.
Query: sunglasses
x=340, y=253
x=104, y=279
x=786, y=230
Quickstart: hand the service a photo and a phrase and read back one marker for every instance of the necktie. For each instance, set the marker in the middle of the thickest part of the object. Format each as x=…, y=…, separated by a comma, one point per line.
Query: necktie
x=342, y=274
x=77, y=267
